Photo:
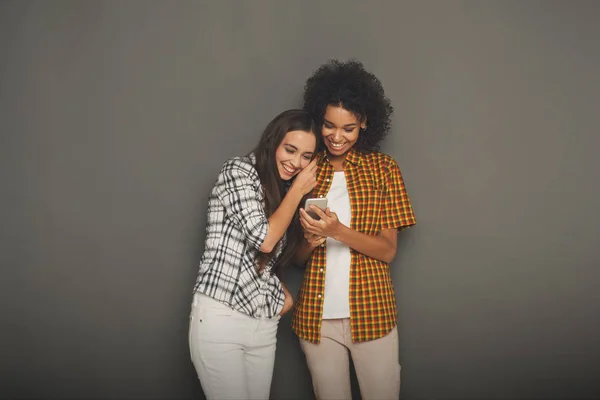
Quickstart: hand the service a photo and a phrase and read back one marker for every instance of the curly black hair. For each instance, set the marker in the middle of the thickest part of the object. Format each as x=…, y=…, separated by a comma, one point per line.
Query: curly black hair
x=349, y=85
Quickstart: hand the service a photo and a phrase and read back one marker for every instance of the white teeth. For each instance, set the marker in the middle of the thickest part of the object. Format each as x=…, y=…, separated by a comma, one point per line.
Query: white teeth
x=288, y=169
x=336, y=145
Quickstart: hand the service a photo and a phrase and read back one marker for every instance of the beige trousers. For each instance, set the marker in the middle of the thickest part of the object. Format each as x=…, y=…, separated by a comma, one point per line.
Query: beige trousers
x=376, y=363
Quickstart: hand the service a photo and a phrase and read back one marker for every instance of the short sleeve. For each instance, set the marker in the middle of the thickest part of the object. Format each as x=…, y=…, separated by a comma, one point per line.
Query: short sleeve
x=238, y=189
x=397, y=212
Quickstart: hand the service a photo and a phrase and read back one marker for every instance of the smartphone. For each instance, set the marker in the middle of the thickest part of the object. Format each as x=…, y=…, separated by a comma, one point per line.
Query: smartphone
x=317, y=202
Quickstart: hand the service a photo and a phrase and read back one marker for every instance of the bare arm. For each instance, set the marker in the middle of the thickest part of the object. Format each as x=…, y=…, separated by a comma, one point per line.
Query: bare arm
x=382, y=247
x=282, y=217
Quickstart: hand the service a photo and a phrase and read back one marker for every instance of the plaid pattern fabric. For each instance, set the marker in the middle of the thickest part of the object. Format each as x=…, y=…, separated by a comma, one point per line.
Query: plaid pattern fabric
x=378, y=201
x=237, y=226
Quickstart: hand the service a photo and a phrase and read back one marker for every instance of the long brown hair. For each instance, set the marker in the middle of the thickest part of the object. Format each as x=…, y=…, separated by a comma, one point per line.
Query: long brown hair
x=274, y=187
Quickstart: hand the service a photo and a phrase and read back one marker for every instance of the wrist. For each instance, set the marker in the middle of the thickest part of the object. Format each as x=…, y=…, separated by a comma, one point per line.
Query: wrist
x=295, y=194
x=338, y=232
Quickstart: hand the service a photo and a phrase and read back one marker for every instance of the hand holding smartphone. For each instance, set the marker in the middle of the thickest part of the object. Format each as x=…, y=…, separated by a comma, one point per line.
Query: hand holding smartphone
x=317, y=202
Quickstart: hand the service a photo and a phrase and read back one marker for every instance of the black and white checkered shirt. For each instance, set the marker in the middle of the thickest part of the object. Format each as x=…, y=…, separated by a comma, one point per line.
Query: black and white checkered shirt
x=237, y=226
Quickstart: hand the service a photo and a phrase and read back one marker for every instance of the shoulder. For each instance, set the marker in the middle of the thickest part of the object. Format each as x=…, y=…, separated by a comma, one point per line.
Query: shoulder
x=240, y=166
x=378, y=161
x=238, y=172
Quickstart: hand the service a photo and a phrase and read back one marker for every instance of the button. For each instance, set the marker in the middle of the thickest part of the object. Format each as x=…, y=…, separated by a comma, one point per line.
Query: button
x=320, y=195
x=321, y=270
x=322, y=244
x=327, y=180
x=319, y=296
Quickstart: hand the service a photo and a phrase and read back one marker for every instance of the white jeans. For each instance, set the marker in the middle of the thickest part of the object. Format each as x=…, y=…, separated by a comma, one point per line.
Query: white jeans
x=233, y=353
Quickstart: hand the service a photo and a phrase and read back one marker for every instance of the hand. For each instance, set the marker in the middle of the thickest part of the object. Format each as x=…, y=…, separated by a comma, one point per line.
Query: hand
x=306, y=179
x=329, y=225
x=288, y=302
x=314, y=240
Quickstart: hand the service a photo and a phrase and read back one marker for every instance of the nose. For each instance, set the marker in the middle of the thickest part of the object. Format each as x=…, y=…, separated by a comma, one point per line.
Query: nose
x=297, y=161
x=337, y=135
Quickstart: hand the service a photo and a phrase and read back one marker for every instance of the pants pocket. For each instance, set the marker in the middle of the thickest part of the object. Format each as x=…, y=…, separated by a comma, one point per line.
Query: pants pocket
x=218, y=325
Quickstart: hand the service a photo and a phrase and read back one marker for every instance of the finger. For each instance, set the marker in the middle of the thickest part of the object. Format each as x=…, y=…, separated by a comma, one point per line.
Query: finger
x=318, y=211
x=309, y=168
x=312, y=231
x=330, y=214
x=307, y=227
x=304, y=215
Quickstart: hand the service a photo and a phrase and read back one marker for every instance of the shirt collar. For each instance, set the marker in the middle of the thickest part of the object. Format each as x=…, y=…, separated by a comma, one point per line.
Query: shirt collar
x=353, y=156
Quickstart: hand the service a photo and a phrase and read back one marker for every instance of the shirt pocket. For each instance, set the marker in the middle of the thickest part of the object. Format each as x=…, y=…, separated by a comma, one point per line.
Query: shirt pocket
x=367, y=202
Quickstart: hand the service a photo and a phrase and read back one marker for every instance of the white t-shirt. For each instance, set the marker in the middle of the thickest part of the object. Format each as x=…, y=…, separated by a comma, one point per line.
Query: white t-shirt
x=337, y=272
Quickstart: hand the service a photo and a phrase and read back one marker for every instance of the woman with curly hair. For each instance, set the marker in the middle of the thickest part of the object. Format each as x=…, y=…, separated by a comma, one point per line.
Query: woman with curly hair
x=346, y=303
x=252, y=230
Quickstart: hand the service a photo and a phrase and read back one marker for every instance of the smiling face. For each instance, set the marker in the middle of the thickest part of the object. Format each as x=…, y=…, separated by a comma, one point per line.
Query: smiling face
x=294, y=153
x=340, y=131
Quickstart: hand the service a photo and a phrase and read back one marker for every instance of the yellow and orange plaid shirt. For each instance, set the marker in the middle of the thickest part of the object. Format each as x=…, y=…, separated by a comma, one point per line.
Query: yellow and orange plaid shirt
x=378, y=200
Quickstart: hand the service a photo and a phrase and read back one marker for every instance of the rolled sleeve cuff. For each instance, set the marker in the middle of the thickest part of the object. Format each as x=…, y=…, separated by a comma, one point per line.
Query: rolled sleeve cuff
x=257, y=232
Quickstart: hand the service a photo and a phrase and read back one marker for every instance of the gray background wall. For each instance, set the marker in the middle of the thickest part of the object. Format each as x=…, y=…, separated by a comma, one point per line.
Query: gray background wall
x=115, y=118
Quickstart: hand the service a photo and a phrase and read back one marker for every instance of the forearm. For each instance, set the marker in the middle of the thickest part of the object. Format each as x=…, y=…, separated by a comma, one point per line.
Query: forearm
x=379, y=247
x=281, y=219
x=303, y=252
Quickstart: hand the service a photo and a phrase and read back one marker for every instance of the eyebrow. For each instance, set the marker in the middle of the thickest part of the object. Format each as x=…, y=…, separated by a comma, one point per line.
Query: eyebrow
x=346, y=126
